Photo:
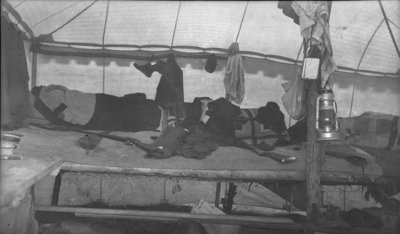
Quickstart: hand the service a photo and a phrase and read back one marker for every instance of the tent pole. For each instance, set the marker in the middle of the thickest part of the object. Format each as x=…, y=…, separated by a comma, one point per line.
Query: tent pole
x=241, y=22
x=313, y=151
x=176, y=24
x=388, y=26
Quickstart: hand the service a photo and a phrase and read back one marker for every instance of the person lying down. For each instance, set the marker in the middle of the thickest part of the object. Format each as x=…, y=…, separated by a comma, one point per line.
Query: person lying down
x=132, y=112
x=97, y=111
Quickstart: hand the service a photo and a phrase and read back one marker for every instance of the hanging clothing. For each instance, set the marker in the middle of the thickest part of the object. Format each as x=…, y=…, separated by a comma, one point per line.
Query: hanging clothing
x=14, y=77
x=314, y=25
x=170, y=87
x=234, y=75
x=287, y=9
x=78, y=107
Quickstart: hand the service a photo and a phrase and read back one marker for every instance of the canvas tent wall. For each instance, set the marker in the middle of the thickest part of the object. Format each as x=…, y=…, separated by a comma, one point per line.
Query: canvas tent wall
x=92, y=45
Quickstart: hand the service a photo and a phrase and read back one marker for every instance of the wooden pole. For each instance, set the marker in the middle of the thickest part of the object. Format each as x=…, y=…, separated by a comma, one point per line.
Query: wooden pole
x=313, y=152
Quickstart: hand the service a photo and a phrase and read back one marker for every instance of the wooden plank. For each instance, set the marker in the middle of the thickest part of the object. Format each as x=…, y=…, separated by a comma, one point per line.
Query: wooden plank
x=329, y=177
x=226, y=163
x=20, y=219
x=138, y=214
x=17, y=176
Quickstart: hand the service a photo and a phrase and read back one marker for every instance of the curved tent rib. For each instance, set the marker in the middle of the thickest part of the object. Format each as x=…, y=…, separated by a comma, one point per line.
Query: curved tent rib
x=394, y=24
x=74, y=17
x=19, y=4
x=54, y=14
x=257, y=26
x=359, y=64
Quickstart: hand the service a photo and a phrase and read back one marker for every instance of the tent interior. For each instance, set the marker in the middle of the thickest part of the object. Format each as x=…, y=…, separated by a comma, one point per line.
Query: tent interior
x=91, y=46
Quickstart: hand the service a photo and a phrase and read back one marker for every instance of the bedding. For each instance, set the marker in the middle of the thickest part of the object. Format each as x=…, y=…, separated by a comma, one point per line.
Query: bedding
x=230, y=163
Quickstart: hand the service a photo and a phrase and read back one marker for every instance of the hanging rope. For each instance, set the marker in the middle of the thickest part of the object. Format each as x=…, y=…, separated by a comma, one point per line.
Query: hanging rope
x=176, y=23
x=297, y=60
x=58, y=12
x=240, y=27
x=358, y=66
x=298, y=54
x=388, y=26
x=394, y=24
x=102, y=41
x=19, y=4
x=69, y=21
x=105, y=22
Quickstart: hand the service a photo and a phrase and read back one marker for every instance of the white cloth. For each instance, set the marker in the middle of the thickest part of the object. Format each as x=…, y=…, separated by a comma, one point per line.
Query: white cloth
x=80, y=105
x=234, y=78
x=316, y=14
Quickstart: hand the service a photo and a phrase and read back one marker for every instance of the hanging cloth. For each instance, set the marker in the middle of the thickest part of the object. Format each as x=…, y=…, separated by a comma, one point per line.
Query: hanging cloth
x=14, y=77
x=314, y=25
x=234, y=75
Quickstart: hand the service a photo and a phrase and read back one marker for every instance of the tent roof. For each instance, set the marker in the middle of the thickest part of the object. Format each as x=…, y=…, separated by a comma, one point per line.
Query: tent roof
x=360, y=37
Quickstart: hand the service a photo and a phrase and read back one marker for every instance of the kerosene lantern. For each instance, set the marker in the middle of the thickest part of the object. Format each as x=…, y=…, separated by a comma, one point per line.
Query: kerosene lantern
x=327, y=124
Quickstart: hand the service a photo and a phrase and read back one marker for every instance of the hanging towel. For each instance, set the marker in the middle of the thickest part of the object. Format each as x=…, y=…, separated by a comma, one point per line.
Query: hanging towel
x=78, y=106
x=234, y=75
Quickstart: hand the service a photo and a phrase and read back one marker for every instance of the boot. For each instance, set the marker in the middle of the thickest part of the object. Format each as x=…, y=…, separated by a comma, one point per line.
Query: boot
x=145, y=69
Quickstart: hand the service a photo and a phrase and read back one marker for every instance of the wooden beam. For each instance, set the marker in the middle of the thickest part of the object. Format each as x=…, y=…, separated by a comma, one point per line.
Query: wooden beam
x=228, y=175
x=165, y=215
x=313, y=166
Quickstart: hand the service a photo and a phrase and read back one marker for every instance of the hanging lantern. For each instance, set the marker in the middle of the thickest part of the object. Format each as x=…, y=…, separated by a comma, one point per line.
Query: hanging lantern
x=327, y=124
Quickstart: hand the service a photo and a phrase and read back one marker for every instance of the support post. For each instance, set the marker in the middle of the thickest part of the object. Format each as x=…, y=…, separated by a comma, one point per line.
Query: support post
x=217, y=194
x=313, y=163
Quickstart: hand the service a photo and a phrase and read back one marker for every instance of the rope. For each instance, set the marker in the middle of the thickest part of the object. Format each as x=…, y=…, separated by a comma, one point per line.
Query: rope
x=58, y=12
x=298, y=54
x=397, y=26
x=297, y=59
x=358, y=66
x=105, y=22
x=176, y=23
x=388, y=26
x=102, y=42
x=69, y=21
x=18, y=4
x=241, y=22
